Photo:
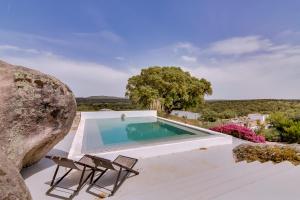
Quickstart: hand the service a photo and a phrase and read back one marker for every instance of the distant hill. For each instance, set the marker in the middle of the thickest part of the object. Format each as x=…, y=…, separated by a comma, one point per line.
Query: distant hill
x=221, y=108
x=94, y=103
x=249, y=100
x=105, y=97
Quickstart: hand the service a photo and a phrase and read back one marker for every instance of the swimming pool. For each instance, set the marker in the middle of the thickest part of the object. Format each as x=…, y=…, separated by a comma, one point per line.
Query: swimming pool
x=140, y=134
x=99, y=133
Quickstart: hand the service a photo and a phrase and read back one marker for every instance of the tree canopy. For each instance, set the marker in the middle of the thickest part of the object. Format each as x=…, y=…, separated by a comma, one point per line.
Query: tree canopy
x=171, y=86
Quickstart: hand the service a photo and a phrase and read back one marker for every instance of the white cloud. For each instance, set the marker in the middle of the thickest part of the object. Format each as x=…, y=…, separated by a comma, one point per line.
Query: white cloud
x=111, y=36
x=119, y=58
x=185, y=47
x=104, y=34
x=265, y=70
x=289, y=33
x=5, y=48
x=240, y=45
x=189, y=58
x=271, y=70
x=84, y=78
x=21, y=37
x=271, y=74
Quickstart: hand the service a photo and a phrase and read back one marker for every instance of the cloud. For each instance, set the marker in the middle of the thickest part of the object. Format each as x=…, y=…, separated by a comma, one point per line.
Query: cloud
x=5, y=48
x=22, y=37
x=103, y=34
x=273, y=73
x=289, y=36
x=265, y=69
x=119, y=58
x=289, y=33
x=185, y=47
x=84, y=78
x=240, y=45
x=189, y=58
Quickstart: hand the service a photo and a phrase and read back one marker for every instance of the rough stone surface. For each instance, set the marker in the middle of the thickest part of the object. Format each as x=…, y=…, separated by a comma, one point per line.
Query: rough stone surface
x=12, y=186
x=36, y=112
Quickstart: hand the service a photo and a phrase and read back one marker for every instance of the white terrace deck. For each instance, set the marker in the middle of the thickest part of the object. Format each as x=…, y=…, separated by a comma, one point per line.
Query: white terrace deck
x=194, y=175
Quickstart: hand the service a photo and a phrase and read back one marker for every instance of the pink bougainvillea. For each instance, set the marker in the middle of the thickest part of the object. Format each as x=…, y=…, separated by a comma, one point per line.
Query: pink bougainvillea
x=240, y=132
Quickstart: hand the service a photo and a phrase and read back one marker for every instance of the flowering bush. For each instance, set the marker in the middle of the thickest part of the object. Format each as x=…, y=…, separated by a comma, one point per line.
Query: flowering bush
x=239, y=132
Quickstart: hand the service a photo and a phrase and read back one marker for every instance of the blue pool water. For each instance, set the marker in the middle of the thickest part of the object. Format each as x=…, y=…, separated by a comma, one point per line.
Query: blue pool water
x=115, y=131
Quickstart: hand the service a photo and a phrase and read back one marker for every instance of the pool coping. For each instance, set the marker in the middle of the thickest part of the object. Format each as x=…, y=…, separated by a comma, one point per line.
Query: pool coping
x=148, y=150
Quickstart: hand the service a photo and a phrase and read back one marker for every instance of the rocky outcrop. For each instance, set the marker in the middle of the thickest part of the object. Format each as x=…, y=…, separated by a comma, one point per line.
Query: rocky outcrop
x=12, y=186
x=36, y=112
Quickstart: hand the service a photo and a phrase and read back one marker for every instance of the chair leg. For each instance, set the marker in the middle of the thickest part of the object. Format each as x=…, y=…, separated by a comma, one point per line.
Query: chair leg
x=122, y=180
x=80, y=181
x=102, y=173
x=116, y=182
x=61, y=178
x=58, y=181
x=54, y=176
x=85, y=180
x=92, y=177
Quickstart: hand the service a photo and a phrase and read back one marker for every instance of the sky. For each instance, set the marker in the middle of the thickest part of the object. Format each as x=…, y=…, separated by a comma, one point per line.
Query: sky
x=246, y=49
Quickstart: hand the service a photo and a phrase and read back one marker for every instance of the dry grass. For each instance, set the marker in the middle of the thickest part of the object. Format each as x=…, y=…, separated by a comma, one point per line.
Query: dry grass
x=183, y=120
x=193, y=122
x=264, y=153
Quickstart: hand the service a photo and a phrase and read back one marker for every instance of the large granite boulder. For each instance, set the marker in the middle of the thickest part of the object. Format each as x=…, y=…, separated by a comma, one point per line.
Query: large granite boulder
x=12, y=186
x=36, y=112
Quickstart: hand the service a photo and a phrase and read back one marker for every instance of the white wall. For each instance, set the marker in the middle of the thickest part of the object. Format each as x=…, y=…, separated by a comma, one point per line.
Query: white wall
x=115, y=114
x=187, y=114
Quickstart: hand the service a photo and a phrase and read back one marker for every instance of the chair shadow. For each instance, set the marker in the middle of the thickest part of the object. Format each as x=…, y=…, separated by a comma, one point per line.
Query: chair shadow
x=108, y=180
x=42, y=164
x=65, y=186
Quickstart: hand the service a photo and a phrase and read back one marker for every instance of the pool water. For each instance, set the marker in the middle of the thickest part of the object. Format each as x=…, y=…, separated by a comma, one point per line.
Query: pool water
x=115, y=131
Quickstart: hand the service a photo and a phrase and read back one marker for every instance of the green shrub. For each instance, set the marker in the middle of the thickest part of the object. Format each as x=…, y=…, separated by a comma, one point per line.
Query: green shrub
x=264, y=153
x=271, y=135
x=209, y=116
x=287, y=125
x=296, y=117
x=227, y=114
x=292, y=133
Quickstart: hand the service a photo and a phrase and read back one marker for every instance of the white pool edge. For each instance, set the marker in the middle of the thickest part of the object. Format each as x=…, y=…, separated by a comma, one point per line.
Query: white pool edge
x=149, y=150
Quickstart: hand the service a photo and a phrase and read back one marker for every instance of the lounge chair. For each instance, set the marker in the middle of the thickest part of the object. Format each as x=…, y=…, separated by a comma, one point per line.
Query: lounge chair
x=120, y=164
x=85, y=163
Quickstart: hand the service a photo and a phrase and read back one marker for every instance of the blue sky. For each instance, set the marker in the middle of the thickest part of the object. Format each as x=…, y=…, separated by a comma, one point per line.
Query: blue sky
x=247, y=49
